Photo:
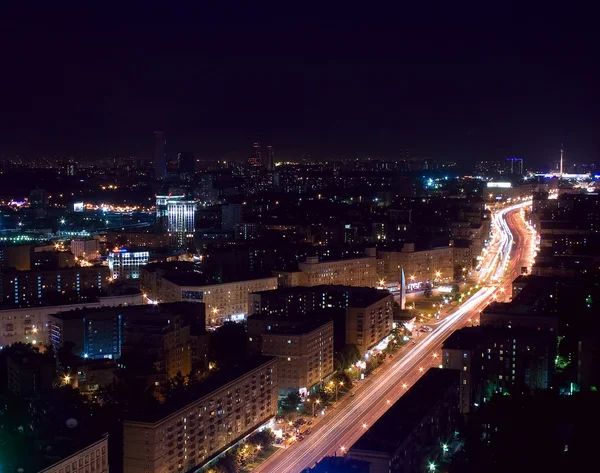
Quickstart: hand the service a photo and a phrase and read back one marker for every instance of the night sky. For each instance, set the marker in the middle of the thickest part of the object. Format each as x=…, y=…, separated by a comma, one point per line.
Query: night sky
x=456, y=82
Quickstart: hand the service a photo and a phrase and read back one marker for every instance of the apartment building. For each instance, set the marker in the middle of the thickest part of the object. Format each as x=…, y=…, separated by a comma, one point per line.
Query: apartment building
x=27, y=288
x=369, y=319
x=412, y=430
x=224, y=301
x=498, y=360
x=228, y=407
x=91, y=459
x=161, y=334
x=419, y=266
x=367, y=313
x=31, y=325
x=305, y=353
x=356, y=272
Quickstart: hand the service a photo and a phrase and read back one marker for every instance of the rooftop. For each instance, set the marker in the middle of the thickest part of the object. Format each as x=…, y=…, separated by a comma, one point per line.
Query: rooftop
x=297, y=327
x=150, y=310
x=212, y=383
x=357, y=296
x=405, y=415
x=466, y=338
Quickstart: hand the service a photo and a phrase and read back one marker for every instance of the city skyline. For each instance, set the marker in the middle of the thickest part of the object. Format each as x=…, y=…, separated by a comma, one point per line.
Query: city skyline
x=460, y=85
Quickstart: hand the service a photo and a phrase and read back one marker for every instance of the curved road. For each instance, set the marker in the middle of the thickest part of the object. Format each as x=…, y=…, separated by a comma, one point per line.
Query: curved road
x=346, y=424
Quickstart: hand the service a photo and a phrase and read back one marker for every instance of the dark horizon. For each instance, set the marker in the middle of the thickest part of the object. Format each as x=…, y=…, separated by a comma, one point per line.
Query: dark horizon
x=447, y=84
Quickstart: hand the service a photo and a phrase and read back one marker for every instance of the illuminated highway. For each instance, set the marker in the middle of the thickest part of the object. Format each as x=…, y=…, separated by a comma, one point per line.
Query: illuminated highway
x=345, y=425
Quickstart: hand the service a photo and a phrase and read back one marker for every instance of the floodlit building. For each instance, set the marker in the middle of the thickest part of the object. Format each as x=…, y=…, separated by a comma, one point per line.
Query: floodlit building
x=126, y=263
x=87, y=249
x=226, y=408
x=181, y=215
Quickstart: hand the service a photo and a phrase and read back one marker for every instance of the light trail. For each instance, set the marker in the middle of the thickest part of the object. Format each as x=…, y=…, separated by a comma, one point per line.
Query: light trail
x=371, y=399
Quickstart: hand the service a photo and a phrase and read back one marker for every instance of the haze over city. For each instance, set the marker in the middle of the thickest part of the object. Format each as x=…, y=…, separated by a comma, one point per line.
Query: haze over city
x=456, y=82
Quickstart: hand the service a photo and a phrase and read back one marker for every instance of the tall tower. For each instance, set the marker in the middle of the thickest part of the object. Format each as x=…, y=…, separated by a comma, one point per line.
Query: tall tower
x=270, y=159
x=402, y=289
x=181, y=226
x=160, y=155
x=562, y=155
x=254, y=160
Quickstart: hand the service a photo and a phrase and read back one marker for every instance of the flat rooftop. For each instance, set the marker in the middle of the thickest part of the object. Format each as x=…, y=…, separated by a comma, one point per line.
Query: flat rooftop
x=406, y=414
x=297, y=327
x=151, y=310
x=212, y=383
x=357, y=296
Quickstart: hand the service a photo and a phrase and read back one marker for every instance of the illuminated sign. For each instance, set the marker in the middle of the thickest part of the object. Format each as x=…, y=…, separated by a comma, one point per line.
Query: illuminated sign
x=502, y=185
x=78, y=207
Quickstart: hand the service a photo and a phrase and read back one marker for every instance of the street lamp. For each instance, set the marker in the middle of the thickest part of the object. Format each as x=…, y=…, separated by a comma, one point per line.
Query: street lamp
x=431, y=466
x=314, y=403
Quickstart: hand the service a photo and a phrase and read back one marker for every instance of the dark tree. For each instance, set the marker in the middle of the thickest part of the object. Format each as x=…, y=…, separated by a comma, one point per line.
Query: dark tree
x=229, y=344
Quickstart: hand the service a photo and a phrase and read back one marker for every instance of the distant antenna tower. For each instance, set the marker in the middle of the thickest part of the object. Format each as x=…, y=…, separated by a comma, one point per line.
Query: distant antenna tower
x=562, y=155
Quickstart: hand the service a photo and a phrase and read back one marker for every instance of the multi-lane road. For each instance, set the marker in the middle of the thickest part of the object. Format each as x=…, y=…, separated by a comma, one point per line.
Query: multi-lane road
x=345, y=424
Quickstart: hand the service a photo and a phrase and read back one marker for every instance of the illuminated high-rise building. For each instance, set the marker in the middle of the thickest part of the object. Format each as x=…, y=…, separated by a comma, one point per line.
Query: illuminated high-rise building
x=255, y=160
x=181, y=215
x=270, y=159
x=162, y=214
x=514, y=166
x=562, y=156
x=160, y=155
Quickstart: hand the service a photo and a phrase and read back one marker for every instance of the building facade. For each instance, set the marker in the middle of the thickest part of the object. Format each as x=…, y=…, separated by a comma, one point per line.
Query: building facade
x=305, y=354
x=87, y=249
x=368, y=321
x=91, y=459
x=33, y=287
x=357, y=272
x=436, y=264
x=368, y=311
x=125, y=263
x=192, y=435
x=31, y=325
x=223, y=301
x=181, y=216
